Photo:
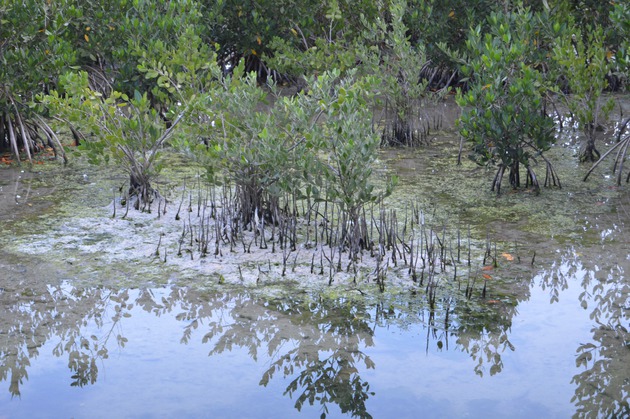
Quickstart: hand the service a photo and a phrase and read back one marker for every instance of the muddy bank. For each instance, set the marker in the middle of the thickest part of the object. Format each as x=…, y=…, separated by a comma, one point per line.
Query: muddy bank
x=90, y=246
x=22, y=193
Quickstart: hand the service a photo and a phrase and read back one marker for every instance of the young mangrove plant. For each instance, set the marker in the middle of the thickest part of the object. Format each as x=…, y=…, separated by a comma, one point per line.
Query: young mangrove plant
x=347, y=153
x=503, y=111
x=257, y=141
x=386, y=50
x=126, y=130
x=583, y=60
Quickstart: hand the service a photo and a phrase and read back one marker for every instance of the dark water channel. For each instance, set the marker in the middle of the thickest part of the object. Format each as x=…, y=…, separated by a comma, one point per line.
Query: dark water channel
x=85, y=334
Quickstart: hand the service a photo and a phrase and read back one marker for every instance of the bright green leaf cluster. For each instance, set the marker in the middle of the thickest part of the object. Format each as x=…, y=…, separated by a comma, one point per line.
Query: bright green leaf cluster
x=503, y=112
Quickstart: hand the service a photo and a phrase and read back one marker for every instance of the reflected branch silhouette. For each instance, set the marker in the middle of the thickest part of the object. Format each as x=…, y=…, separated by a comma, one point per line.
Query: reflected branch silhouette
x=33, y=316
x=317, y=343
x=602, y=387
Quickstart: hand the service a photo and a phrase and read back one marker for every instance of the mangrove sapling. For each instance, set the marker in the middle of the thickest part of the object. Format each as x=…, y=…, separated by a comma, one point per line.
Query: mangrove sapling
x=260, y=147
x=349, y=149
x=386, y=50
x=127, y=130
x=503, y=112
x=584, y=62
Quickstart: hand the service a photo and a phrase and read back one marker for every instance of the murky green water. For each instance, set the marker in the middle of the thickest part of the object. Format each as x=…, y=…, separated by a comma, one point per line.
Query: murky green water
x=94, y=324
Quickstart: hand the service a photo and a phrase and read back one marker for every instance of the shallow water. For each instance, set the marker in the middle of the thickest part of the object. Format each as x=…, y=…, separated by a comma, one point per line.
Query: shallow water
x=93, y=324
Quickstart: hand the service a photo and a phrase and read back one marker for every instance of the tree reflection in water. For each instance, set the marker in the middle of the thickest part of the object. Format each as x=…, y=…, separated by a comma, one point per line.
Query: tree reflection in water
x=603, y=385
x=33, y=316
x=329, y=335
x=315, y=342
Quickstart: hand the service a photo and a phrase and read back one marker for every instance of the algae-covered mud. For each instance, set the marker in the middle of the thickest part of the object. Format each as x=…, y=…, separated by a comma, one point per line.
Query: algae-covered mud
x=484, y=306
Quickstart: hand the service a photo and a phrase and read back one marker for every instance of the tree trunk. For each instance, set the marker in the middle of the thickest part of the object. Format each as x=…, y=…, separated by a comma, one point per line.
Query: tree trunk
x=515, y=176
x=589, y=153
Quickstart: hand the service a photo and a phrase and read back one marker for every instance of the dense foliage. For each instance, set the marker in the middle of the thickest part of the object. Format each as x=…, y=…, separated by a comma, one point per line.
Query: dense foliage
x=180, y=58
x=504, y=109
